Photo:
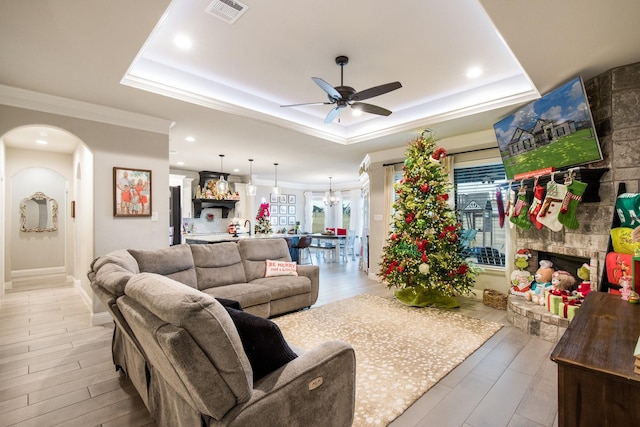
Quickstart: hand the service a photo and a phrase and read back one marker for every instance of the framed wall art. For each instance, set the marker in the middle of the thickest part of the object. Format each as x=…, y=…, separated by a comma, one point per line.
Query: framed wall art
x=131, y=192
x=292, y=199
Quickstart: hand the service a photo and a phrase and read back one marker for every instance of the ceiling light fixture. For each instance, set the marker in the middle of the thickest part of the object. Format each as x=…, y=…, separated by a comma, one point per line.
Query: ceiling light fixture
x=474, y=72
x=190, y=139
x=251, y=187
x=222, y=185
x=41, y=142
x=182, y=42
x=331, y=199
x=276, y=190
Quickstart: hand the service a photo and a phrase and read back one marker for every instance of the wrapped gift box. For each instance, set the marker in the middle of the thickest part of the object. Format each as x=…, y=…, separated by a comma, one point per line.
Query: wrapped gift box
x=554, y=301
x=569, y=308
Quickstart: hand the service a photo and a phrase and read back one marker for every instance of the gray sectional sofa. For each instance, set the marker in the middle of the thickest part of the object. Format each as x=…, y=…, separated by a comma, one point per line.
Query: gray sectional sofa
x=184, y=352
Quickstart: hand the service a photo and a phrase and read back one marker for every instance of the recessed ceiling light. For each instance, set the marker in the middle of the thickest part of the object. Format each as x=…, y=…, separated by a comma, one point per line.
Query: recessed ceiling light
x=180, y=163
x=183, y=42
x=236, y=170
x=190, y=139
x=474, y=72
x=41, y=142
x=356, y=111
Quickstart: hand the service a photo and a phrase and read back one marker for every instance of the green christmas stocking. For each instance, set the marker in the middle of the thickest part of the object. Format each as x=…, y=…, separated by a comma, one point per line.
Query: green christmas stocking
x=548, y=214
x=567, y=215
x=520, y=215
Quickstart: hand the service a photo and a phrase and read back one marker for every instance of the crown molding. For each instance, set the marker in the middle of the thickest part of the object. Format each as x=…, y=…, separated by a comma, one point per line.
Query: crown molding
x=22, y=98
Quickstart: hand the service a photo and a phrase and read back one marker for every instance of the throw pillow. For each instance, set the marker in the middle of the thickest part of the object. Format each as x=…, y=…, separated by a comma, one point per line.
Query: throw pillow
x=262, y=341
x=280, y=268
x=229, y=303
x=622, y=240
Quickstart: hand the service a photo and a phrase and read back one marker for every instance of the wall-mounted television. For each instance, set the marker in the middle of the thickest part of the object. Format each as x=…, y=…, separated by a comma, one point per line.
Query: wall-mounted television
x=555, y=131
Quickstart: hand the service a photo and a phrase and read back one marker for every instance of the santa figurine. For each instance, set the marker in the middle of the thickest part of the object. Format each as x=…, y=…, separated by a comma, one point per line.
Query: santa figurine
x=438, y=154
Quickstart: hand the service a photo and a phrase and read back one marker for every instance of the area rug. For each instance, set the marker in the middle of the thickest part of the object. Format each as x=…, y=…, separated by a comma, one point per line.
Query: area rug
x=401, y=352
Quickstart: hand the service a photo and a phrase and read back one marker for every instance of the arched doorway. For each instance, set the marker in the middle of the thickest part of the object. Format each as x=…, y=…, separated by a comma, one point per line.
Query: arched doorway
x=49, y=160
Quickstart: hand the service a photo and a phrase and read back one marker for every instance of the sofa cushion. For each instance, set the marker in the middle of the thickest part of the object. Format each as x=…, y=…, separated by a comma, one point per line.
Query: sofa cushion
x=217, y=264
x=284, y=286
x=254, y=252
x=247, y=294
x=263, y=343
x=113, y=278
x=205, y=320
x=280, y=268
x=175, y=262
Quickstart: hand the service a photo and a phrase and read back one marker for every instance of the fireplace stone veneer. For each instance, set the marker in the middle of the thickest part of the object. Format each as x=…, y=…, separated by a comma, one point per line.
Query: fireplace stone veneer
x=534, y=319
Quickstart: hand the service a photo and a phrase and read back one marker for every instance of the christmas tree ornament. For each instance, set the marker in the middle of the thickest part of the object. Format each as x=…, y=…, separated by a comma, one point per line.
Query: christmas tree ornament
x=536, y=205
x=567, y=215
x=423, y=268
x=521, y=209
x=548, y=215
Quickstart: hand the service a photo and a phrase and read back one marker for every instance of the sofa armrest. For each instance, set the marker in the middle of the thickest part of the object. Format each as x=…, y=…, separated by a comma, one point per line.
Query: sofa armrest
x=313, y=273
x=315, y=389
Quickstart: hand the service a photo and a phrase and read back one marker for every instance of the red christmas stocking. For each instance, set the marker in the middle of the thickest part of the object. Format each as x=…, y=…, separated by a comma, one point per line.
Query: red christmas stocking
x=536, y=205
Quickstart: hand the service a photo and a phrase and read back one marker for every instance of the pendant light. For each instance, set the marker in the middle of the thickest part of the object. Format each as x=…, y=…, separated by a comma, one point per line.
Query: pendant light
x=276, y=190
x=251, y=187
x=222, y=185
x=331, y=199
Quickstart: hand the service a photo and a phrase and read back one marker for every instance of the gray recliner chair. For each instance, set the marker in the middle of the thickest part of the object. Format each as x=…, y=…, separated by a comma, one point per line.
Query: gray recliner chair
x=199, y=374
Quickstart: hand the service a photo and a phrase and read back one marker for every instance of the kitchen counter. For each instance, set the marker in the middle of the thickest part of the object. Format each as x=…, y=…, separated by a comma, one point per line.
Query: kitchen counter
x=218, y=238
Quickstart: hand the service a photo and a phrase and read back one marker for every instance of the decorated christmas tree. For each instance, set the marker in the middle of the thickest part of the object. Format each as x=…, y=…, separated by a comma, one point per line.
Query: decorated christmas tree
x=263, y=219
x=422, y=255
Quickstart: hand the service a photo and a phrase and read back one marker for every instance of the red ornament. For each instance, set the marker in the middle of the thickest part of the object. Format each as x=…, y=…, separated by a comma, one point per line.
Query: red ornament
x=410, y=216
x=394, y=236
x=424, y=257
x=425, y=188
x=462, y=270
x=439, y=153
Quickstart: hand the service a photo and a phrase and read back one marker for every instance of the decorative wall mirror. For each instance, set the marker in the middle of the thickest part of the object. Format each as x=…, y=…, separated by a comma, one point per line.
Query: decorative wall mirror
x=38, y=212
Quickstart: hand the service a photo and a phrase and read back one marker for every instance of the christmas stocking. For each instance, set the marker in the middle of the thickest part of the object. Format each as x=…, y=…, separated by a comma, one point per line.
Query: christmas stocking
x=510, y=207
x=548, y=215
x=520, y=215
x=567, y=215
x=536, y=205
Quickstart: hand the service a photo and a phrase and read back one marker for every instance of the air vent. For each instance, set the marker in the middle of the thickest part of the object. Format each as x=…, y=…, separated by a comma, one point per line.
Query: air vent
x=227, y=10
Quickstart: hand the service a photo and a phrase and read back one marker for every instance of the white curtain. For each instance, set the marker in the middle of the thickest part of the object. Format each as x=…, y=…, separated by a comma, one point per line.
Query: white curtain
x=356, y=211
x=448, y=164
x=308, y=212
x=389, y=172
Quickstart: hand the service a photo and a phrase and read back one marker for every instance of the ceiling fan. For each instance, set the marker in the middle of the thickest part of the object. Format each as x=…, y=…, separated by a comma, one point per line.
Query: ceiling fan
x=343, y=96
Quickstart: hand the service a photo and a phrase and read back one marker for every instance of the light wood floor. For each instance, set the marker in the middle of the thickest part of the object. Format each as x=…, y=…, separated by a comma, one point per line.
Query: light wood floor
x=56, y=369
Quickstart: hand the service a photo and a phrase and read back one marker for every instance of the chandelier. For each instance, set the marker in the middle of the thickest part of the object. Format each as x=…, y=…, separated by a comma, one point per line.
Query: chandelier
x=222, y=185
x=251, y=187
x=331, y=199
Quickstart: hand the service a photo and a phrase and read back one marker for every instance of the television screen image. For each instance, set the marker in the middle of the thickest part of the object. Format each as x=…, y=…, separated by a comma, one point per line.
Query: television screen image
x=554, y=131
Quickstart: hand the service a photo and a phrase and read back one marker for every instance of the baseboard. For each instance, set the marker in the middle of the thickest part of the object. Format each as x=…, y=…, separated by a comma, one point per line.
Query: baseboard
x=98, y=319
x=85, y=297
x=37, y=272
x=8, y=285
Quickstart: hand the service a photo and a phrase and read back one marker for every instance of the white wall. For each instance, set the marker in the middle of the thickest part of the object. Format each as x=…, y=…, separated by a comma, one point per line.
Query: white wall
x=44, y=252
x=3, y=211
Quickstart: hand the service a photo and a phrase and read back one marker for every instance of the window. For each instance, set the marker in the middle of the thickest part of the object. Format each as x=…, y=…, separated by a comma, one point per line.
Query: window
x=319, y=211
x=477, y=211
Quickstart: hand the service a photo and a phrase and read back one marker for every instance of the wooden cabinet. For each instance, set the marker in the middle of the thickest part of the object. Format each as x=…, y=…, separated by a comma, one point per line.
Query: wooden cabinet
x=596, y=382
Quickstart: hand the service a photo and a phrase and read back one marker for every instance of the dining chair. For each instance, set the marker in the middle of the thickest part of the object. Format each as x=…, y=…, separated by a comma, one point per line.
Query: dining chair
x=303, y=248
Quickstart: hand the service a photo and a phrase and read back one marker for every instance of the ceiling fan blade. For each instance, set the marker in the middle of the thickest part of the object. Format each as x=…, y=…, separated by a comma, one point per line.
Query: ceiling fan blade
x=375, y=91
x=332, y=115
x=333, y=94
x=308, y=103
x=371, y=109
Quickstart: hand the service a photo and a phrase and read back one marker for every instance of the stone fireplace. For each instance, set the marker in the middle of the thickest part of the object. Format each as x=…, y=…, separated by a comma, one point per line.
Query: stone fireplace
x=614, y=98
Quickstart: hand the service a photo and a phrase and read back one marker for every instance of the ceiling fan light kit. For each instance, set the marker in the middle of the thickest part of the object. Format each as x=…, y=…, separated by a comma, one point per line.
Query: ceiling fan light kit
x=345, y=96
